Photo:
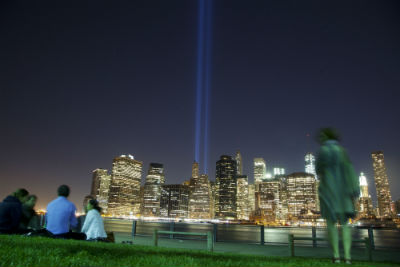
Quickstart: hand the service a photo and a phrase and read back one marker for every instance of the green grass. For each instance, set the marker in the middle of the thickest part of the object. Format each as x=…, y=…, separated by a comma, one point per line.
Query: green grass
x=38, y=251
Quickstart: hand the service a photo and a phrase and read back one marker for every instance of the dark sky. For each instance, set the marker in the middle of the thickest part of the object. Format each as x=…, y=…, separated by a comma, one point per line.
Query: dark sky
x=82, y=83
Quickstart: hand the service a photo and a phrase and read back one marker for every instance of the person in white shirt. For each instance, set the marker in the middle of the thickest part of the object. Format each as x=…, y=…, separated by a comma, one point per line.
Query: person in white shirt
x=93, y=226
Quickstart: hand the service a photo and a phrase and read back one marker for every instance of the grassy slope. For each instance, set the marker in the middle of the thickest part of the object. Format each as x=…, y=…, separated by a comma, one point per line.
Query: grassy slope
x=30, y=251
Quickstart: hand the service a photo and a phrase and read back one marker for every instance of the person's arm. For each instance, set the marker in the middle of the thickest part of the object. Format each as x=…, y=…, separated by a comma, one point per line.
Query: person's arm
x=88, y=221
x=72, y=218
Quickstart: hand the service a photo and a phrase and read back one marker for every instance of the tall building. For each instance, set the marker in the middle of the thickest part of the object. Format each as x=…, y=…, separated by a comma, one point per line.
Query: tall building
x=242, y=198
x=260, y=171
x=382, y=185
x=174, y=201
x=364, y=207
x=124, y=196
x=310, y=164
x=252, y=200
x=279, y=171
x=101, y=187
x=225, y=204
x=301, y=195
x=239, y=163
x=199, y=195
x=270, y=200
x=152, y=190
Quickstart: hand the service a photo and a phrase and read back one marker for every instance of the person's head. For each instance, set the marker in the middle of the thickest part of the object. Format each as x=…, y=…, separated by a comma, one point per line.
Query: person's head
x=325, y=134
x=63, y=191
x=31, y=201
x=86, y=201
x=21, y=194
x=93, y=204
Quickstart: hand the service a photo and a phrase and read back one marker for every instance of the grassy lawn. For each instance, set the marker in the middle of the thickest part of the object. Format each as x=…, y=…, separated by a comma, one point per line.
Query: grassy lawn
x=38, y=251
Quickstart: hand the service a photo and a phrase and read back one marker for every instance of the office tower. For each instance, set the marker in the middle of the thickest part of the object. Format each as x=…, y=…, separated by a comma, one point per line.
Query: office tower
x=301, y=195
x=260, y=171
x=310, y=164
x=200, y=199
x=279, y=171
x=382, y=185
x=152, y=190
x=101, y=187
x=239, y=163
x=252, y=200
x=364, y=207
x=225, y=206
x=270, y=200
x=124, y=196
x=243, y=208
x=174, y=201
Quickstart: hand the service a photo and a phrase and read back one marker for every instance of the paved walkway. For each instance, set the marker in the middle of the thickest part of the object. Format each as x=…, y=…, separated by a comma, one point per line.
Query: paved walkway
x=256, y=249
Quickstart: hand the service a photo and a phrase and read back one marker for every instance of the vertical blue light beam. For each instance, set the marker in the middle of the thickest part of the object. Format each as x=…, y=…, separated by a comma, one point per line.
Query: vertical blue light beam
x=207, y=83
x=199, y=83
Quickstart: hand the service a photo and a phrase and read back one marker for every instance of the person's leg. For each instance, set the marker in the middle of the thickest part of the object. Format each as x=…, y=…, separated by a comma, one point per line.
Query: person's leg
x=346, y=235
x=333, y=237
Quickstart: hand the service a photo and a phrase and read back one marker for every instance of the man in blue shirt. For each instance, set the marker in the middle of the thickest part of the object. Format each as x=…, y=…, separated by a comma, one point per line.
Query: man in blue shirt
x=60, y=216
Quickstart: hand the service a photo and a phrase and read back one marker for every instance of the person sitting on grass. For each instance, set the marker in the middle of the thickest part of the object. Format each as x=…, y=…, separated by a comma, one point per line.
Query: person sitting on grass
x=60, y=216
x=29, y=218
x=11, y=210
x=93, y=226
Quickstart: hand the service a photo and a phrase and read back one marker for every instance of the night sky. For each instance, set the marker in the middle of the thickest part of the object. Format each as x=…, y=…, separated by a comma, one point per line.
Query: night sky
x=81, y=83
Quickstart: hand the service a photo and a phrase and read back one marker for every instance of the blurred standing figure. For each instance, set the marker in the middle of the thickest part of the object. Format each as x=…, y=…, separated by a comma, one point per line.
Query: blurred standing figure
x=11, y=211
x=29, y=218
x=94, y=226
x=339, y=187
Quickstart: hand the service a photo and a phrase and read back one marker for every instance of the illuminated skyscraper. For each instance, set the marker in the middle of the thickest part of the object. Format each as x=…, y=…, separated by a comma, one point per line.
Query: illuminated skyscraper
x=101, y=187
x=152, y=190
x=260, y=171
x=124, y=196
x=174, y=201
x=243, y=208
x=364, y=207
x=252, y=200
x=239, y=163
x=310, y=164
x=301, y=194
x=279, y=171
x=199, y=195
x=225, y=204
x=382, y=185
x=270, y=200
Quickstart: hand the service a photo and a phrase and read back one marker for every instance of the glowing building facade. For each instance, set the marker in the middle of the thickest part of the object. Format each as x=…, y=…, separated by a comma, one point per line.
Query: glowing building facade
x=239, y=163
x=364, y=207
x=101, y=187
x=310, y=164
x=242, y=197
x=260, y=171
x=124, y=195
x=174, y=201
x=152, y=190
x=225, y=202
x=199, y=195
x=301, y=195
x=382, y=185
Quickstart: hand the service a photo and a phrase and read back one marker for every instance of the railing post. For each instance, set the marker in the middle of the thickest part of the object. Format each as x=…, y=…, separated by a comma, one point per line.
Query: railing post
x=262, y=241
x=210, y=242
x=368, y=249
x=155, y=237
x=215, y=232
x=171, y=228
x=314, y=236
x=371, y=237
x=134, y=229
x=291, y=245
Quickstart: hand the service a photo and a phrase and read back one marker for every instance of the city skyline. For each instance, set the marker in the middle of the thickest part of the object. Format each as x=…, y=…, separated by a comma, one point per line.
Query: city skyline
x=81, y=85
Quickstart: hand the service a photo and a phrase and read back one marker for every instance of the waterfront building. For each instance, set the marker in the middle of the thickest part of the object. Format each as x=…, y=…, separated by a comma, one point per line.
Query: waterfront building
x=382, y=185
x=364, y=203
x=301, y=195
x=174, y=201
x=152, y=190
x=239, y=163
x=252, y=199
x=225, y=204
x=260, y=171
x=243, y=208
x=310, y=164
x=270, y=200
x=101, y=187
x=124, y=195
x=199, y=195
